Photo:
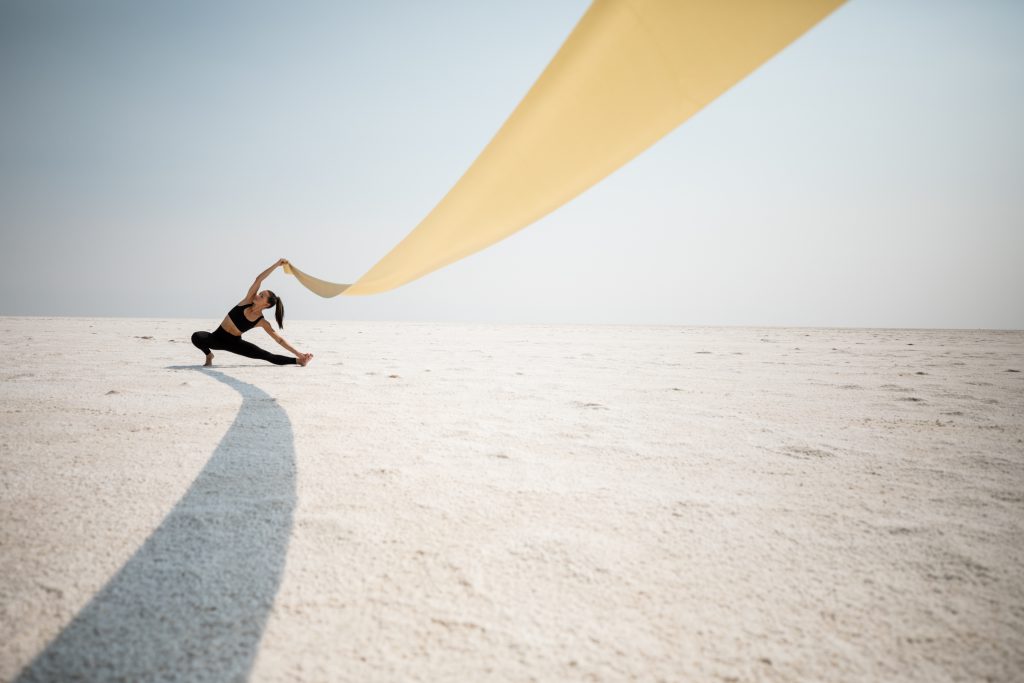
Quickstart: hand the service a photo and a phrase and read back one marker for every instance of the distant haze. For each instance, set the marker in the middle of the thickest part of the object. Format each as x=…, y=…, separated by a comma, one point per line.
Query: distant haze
x=154, y=157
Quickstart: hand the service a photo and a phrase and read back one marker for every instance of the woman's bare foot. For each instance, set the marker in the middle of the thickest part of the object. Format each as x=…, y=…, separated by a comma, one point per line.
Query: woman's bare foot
x=304, y=359
x=209, y=360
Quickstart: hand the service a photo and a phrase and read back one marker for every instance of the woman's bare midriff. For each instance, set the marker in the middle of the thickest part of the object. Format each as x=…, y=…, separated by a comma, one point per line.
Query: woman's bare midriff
x=230, y=326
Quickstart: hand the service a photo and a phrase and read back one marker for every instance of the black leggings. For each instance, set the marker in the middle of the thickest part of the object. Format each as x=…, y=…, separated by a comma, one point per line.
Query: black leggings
x=222, y=339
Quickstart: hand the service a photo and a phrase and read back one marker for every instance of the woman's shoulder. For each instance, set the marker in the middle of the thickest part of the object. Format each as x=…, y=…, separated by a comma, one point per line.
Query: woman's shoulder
x=246, y=303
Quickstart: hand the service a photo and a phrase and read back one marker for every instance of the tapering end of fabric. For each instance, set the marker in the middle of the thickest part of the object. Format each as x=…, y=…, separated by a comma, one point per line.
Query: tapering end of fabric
x=316, y=285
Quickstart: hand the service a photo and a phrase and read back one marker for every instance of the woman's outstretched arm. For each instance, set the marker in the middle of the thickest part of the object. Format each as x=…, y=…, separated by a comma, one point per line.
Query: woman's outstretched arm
x=261, y=277
x=278, y=338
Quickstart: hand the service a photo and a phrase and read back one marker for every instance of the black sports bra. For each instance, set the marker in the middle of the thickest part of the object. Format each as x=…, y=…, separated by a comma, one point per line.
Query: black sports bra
x=237, y=315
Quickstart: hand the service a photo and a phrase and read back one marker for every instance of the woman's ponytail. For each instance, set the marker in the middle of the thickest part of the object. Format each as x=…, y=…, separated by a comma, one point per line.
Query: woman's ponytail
x=278, y=306
x=279, y=313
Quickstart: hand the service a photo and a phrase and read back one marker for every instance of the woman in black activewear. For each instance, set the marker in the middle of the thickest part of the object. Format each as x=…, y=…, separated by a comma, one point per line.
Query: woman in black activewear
x=245, y=316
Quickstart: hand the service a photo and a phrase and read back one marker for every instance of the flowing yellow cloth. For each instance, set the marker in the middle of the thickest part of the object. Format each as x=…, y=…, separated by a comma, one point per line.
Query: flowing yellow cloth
x=630, y=72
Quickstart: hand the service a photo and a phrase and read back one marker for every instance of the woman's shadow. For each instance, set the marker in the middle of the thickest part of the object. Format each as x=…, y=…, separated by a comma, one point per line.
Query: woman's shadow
x=191, y=604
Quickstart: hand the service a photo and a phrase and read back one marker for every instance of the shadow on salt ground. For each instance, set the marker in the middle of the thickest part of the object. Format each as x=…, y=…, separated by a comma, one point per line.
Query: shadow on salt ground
x=191, y=604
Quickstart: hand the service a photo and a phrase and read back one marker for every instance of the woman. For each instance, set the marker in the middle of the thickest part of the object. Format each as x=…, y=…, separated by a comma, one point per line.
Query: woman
x=246, y=315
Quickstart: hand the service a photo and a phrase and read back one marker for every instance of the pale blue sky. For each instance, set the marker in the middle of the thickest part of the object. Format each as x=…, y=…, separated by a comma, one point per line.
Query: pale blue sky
x=154, y=157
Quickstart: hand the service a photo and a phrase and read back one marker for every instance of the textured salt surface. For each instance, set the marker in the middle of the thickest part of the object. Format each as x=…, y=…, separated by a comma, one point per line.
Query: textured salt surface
x=466, y=502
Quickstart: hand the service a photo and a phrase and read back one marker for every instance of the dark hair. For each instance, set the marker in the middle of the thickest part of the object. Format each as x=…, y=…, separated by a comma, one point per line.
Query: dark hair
x=272, y=301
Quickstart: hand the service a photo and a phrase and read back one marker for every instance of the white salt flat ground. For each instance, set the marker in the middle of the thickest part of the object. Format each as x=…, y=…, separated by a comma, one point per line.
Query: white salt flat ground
x=474, y=502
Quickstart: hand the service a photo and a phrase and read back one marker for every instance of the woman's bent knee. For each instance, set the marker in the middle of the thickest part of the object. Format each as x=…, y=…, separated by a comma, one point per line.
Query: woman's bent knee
x=199, y=339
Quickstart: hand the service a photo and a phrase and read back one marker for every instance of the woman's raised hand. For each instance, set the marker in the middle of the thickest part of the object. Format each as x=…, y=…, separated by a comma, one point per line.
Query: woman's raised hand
x=281, y=262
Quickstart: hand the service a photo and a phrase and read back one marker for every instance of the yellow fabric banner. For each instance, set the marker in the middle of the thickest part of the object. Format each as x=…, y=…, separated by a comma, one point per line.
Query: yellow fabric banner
x=629, y=73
